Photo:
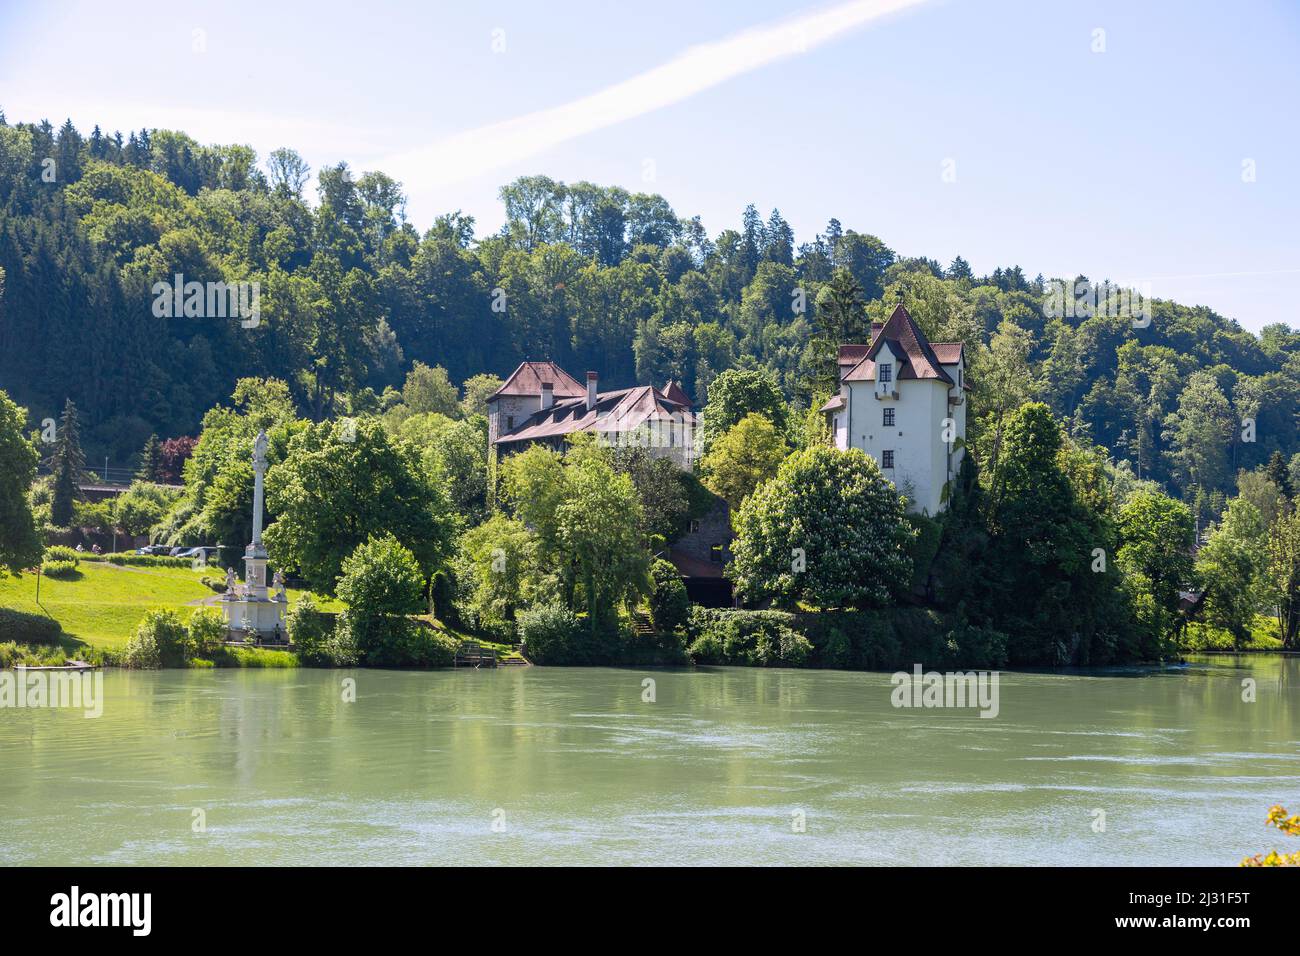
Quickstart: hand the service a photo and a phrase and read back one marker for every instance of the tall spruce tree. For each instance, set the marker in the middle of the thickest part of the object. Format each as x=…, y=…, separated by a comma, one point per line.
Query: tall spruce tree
x=150, y=461
x=68, y=465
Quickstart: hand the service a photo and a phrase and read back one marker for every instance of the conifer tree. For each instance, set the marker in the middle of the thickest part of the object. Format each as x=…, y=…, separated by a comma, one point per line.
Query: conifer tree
x=68, y=464
x=150, y=461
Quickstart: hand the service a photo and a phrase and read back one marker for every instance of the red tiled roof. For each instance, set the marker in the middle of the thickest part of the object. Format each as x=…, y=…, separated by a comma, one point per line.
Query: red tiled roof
x=527, y=380
x=906, y=341
x=949, y=352
x=851, y=355
x=618, y=411
x=835, y=403
x=674, y=392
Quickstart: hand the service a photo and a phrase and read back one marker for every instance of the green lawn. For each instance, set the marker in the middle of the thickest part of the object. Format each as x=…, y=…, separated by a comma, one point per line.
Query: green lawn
x=104, y=604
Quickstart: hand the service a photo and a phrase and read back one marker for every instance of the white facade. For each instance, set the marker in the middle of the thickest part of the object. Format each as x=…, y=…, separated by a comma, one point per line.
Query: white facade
x=914, y=426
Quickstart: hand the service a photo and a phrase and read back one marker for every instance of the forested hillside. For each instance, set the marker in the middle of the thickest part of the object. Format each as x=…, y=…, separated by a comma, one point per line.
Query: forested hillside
x=595, y=277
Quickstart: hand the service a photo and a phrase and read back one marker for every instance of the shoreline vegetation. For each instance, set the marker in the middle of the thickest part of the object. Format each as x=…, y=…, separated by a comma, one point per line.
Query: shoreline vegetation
x=70, y=625
x=1124, y=489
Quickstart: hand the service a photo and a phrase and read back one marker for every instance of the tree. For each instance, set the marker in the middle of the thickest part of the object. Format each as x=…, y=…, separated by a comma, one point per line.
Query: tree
x=733, y=395
x=598, y=525
x=1282, y=575
x=381, y=577
x=1280, y=474
x=1229, y=567
x=150, y=461
x=476, y=391
x=670, y=608
x=746, y=455
x=68, y=464
x=841, y=318
x=498, y=568
x=828, y=530
x=661, y=487
x=173, y=454
x=429, y=390
x=1047, y=540
x=1155, y=554
x=1004, y=384
x=289, y=172
x=340, y=485
x=142, y=506
x=1200, y=432
x=20, y=542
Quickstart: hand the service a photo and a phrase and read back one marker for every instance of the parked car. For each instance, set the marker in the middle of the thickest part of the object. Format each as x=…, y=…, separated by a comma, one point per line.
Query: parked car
x=201, y=553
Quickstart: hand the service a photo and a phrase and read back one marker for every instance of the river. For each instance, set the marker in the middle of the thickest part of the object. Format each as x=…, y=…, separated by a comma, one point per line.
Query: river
x=725, y=765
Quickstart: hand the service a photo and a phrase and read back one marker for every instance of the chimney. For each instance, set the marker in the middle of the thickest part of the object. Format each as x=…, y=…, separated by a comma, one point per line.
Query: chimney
x=591, y=390
x=548, y=395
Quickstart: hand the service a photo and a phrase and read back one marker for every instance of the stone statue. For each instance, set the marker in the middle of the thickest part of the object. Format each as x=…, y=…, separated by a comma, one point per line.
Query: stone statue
x=278, y=582
x=232, y=585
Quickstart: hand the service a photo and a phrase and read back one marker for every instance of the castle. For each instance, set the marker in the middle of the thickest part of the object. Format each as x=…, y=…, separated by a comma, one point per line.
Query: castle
x=902, y=401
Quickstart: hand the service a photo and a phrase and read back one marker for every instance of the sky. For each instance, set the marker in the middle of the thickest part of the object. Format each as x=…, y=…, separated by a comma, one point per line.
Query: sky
x=1144, y=141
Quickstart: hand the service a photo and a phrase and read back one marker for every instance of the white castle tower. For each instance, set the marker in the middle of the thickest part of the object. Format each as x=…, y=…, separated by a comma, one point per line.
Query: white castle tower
x=252, y=607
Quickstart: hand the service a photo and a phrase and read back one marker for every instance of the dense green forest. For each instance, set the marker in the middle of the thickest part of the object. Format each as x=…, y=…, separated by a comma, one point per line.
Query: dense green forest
x=353, y=294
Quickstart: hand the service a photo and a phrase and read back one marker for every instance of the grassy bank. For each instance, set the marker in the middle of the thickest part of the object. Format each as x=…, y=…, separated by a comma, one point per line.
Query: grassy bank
x=101, y=606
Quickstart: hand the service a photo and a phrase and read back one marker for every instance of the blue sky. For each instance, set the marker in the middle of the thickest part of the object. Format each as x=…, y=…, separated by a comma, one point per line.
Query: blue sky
x=1125, y=164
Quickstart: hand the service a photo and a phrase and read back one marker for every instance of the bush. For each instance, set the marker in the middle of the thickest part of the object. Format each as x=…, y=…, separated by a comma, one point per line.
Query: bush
x=28, y=628
x=13, y=653
x=206, y=631
x=60, y=570
x=161, y=635
x=214, y=584
x=311, y=631
x=552, y=634
x=757, y=638
x=391, y=642
x=141, y=651
x=669, y=605
x=61, y=552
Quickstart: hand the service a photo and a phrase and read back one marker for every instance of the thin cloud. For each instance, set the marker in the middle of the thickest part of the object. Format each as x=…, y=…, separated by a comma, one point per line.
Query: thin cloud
x=473, y=152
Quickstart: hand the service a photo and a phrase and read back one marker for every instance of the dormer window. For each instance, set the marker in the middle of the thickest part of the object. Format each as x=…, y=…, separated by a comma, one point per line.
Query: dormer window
x=886, y=372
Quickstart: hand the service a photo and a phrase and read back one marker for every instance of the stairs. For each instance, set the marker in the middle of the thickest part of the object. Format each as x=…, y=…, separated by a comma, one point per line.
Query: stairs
x=474, y=654
x=643, y=625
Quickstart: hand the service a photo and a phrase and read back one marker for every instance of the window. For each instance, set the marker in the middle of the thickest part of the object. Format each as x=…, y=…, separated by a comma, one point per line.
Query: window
x=886, y=372
x=510, y=423
x=889, y=417
x=715, y=554
x=695, y=525
x=887, y=459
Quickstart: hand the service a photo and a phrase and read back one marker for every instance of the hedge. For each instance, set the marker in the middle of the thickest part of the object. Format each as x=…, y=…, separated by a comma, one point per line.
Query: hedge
x=146, y=560
x=884, y=639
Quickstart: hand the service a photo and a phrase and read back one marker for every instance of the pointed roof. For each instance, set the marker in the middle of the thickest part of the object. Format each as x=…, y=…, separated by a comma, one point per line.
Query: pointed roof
x=913, y=352
x=527, y=380
x=674, y=392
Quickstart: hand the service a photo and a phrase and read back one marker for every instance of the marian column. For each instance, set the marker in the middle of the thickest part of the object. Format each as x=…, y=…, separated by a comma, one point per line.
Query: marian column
x=255, y=553
x=253, y=609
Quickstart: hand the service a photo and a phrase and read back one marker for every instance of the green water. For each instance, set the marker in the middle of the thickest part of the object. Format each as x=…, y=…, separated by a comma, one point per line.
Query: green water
x=574, y=767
